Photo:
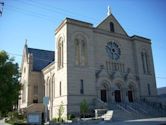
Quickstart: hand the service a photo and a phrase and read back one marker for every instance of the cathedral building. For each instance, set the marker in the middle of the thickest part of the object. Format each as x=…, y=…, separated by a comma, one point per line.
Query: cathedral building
x=100, y=64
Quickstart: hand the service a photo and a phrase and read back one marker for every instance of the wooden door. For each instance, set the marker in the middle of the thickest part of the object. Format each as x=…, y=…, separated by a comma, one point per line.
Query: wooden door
x=117, y=96
x=104, y=95
x=130, y=96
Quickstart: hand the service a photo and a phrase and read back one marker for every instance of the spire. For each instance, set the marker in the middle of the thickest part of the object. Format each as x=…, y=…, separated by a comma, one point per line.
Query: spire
x=26, y=46
x=108, y=11
x=26, y=42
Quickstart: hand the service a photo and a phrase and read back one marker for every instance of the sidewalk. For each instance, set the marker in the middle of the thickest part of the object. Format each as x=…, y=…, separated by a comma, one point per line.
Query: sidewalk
x=2, y=122
x=151, y=121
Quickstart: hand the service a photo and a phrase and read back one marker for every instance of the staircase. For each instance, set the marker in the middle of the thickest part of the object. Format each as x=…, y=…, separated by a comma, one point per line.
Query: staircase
x=135, y=110
x=121, y=112
x=127, y=111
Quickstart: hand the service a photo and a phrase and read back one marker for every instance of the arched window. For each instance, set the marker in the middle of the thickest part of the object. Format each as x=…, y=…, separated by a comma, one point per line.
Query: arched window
x=60, y=53
x=60, y=89
x=145, y=62
x=112, y=27
x=77, y=52
x=83, y=52
x=53, y=85
x=81, y=86
x=80, y=51
x=47, y=87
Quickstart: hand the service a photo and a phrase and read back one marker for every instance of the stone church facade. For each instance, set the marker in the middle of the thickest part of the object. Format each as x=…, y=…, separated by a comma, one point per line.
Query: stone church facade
x=99, y=64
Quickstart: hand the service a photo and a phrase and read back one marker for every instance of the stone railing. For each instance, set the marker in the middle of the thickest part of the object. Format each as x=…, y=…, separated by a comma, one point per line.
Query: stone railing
x=99, y=104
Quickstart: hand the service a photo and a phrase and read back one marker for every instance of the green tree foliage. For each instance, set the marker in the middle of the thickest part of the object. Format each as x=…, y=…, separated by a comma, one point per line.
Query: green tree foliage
x=9, y=84
x=60, y=112
x=84, y=107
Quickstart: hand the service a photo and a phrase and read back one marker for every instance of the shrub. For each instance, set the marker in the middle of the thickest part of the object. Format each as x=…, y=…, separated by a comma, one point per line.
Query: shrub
x=15, y=119
x=55, y=120
x=84, y=107
x=60, y=112
x=70, y=116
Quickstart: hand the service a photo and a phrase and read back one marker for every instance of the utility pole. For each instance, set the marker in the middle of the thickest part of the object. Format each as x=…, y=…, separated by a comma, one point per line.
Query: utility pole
x=1, y=8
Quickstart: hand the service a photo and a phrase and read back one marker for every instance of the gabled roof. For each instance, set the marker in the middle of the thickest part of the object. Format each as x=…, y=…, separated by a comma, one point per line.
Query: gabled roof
x=41, y=58
x=105, y=25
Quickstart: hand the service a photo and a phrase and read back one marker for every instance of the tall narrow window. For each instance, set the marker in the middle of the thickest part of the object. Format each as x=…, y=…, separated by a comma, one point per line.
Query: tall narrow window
x=77, y=52
x=145, y=62
x=49, y=87
x=60, y=89
x=80, y=51
x=81, y=86
x=149, y=92
x=53, y=82
x=60, y=53
x=35, y=90
x=112, y=27
x=83, y=52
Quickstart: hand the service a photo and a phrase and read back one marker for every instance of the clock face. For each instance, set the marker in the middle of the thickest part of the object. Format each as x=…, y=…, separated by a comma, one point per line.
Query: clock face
x=113, y=50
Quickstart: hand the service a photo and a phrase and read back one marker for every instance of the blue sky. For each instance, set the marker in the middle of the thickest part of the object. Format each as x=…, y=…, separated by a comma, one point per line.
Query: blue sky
x=36, y=21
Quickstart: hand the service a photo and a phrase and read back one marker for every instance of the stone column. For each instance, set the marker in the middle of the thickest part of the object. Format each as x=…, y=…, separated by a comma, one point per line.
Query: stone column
x=125, y=94
x=136, y=95
x=109, y=96
x=112, y=94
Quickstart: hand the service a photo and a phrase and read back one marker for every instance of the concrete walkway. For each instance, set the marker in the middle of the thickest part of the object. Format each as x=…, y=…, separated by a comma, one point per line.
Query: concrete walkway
x=2, y=122
x=151, y=121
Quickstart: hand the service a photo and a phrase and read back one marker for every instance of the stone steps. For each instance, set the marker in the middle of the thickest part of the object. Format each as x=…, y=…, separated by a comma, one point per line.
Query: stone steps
x=136, y=110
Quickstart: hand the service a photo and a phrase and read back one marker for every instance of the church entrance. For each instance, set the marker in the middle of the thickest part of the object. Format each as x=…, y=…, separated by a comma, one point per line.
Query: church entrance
x=130, y=96
x=117, y=96
x=104, y=95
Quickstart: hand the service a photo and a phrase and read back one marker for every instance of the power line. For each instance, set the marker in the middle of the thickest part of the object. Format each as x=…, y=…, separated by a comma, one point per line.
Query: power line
x=50, y=7
x=29, y=13
x=96, y=68
x=42, y=16
x=41, y=13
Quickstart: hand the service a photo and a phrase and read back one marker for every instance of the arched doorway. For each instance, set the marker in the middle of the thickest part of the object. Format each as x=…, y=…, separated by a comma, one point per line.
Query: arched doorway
x=35, y=99
x=117, y=96
x=117, y=93
x=130, y=93
x=104, y=92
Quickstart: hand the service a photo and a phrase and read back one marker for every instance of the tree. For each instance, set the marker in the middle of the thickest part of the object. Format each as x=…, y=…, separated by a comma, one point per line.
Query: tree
x=83, y=107
x=9, y=83
x=60, y=112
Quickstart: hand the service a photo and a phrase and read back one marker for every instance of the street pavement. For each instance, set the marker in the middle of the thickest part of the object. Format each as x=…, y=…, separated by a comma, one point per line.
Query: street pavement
x=2, y=122
x=150, y=121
